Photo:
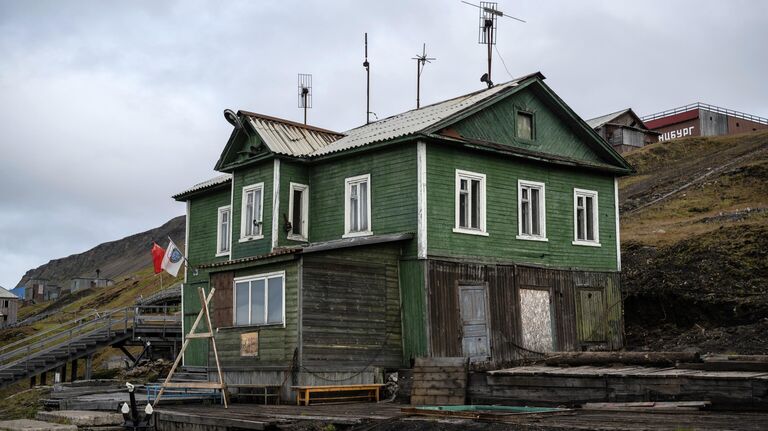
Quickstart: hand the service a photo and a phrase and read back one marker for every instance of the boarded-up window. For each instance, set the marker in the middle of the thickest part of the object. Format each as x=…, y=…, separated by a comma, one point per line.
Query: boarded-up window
x=525, y=125
x=536, y=320
x=590, y=315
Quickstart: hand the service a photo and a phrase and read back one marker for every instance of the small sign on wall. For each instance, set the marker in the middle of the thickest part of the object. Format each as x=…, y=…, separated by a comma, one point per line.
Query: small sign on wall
x=249, y=344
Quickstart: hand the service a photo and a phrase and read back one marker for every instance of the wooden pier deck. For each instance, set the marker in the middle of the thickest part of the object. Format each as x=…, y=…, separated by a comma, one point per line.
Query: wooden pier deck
x=388, y=417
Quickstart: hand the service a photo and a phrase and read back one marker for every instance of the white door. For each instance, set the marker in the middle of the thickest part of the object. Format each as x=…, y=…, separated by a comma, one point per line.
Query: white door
x=474, y=322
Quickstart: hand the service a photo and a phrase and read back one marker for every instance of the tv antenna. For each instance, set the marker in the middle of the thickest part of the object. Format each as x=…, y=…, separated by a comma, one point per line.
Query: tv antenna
x=421, y=61
x=367, y=67
x=305, y=93
x=487, y=33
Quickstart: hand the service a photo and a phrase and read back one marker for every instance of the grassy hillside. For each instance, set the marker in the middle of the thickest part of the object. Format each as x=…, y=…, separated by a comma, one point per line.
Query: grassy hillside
x=695, y=244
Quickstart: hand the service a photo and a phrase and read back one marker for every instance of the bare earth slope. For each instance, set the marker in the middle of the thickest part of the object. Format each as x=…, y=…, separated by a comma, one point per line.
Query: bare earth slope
x=695, y=245
x=114, y=258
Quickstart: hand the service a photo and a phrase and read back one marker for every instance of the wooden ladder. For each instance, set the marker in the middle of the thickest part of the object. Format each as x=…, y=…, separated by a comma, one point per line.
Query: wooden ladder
x=220, y=385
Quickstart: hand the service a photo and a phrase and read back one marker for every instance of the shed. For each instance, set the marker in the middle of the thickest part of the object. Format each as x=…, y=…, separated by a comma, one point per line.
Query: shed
x=624, y=130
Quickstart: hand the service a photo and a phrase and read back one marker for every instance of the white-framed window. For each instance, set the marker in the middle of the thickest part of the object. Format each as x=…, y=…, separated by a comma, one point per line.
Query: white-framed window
x=357, y=206
x=252, y=212
x=470, y=203
x=531, y=211
x=223, y=231
x=259, y=300
x=585, y=218
x=298, y=208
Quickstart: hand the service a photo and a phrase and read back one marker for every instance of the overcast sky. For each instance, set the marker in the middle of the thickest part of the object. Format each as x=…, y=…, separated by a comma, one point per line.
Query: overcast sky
x=107, y=108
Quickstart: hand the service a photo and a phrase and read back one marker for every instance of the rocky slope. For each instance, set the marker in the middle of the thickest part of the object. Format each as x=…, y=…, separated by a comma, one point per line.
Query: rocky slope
x=114, y=258
x=695, y=245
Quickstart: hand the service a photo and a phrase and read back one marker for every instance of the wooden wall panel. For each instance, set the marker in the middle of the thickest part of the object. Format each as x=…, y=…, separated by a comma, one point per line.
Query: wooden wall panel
x=221, y=315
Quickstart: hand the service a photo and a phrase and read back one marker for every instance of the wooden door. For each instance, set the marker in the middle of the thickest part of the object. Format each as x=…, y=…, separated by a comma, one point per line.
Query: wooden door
x=591, y=317
x=536, y=320
x=475, y=339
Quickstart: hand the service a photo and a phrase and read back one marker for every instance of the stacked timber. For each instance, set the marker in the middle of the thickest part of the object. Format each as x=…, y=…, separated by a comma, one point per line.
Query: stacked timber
x=648, y=359
x=439, y=381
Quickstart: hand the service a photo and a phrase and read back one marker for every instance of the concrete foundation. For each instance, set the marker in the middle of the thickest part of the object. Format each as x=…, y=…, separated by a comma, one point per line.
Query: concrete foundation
x=32, y=425
x=81, y=418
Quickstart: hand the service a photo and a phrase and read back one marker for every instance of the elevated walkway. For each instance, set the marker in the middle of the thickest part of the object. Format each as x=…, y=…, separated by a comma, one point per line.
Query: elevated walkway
x=52, y=349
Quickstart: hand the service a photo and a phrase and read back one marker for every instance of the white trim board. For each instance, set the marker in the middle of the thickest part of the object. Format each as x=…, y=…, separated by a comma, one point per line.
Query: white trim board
x=618, y=230
x=275, y=203
x=421, y=193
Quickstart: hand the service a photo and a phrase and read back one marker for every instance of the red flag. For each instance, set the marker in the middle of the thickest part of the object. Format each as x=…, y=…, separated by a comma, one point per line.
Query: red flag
x=157, y=257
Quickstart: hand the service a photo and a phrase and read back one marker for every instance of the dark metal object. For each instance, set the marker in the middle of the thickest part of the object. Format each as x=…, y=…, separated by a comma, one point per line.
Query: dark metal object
x=421, y=61
x=367, y=67
x=232, y=118
x=131, y=418
x=305, y=93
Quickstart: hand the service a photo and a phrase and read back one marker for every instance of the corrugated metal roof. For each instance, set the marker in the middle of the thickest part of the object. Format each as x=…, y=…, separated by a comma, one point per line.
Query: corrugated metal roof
x=411, y=122
x=599, y=121
x=287, y=137
x=221, y=179
x=5, y=293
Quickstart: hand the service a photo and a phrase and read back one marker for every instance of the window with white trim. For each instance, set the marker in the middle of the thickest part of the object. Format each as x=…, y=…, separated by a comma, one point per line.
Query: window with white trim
x=252, y=212
x=585, y=219
x=470, y=203
x=260, y=300
x=357, y=207
x=298, y=208
x=223, y=230
x=531, y=211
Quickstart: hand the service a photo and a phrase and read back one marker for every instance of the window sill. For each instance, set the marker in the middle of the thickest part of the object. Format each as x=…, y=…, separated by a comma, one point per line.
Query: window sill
x=587, y=243
x=298, y=238
x=356, y=234
x=223, y=254
x=532, y=238
x=249, y=327
x=250, y=238
x=470, y=231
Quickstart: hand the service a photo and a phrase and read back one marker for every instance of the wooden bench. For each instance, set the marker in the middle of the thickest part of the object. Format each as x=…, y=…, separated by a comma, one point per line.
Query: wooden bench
x=304, y=393
x=258, y=391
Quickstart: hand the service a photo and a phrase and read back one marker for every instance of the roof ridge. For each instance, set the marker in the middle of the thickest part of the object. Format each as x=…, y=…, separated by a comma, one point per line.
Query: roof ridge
x=289, y=122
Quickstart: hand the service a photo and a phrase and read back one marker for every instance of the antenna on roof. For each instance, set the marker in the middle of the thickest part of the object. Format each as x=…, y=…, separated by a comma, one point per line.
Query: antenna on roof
x=487, y=33
x=305, y=93
x=367, y=67
x=421, y=61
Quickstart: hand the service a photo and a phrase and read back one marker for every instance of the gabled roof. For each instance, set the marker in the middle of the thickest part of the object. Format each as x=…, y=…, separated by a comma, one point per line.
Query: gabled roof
x=207, y=184
x=415, y=120
x=290, y=138
x=4, y=293
x=599, y=121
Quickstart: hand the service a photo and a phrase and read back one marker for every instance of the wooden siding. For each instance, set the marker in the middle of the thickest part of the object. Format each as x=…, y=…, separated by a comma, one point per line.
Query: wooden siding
x=504, y=283
x=276, y=343
x=197, y=349
x=243, y=177
x=351, y=309
x=502, y=213
x=552, y=134
x=296, y=173
x=203, y=225
x=414, y=314
x=393, y=192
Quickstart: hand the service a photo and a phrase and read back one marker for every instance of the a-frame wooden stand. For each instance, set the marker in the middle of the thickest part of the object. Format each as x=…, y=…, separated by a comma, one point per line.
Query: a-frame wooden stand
x=204, y=301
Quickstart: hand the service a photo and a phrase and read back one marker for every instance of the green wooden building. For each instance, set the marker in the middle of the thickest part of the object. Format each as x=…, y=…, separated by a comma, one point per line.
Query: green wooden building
x=483, y=226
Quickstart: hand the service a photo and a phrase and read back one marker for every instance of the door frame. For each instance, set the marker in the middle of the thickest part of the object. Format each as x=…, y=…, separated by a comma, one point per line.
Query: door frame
x=457, y=290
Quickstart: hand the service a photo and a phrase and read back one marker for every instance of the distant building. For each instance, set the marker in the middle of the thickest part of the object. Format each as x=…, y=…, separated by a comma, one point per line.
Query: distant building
x=624, y=130
x=9, y=307
x=35, y=289
x=81, y=283
x=700, y=119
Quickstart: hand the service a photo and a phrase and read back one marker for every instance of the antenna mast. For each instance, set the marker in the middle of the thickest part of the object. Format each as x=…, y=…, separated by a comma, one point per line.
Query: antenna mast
x=487, y=33
x=367, y=67
x=421, y=61
x=305, y=93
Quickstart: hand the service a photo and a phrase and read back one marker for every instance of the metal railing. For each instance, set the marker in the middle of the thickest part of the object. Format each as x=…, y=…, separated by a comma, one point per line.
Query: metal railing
x=106, y=323
x=706, y=107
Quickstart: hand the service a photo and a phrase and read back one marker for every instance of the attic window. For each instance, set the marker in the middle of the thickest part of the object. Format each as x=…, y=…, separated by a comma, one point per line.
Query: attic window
x=525, y=125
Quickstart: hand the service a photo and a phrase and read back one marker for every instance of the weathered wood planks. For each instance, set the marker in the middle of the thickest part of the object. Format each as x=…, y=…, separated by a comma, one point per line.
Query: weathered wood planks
x=439, y=381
